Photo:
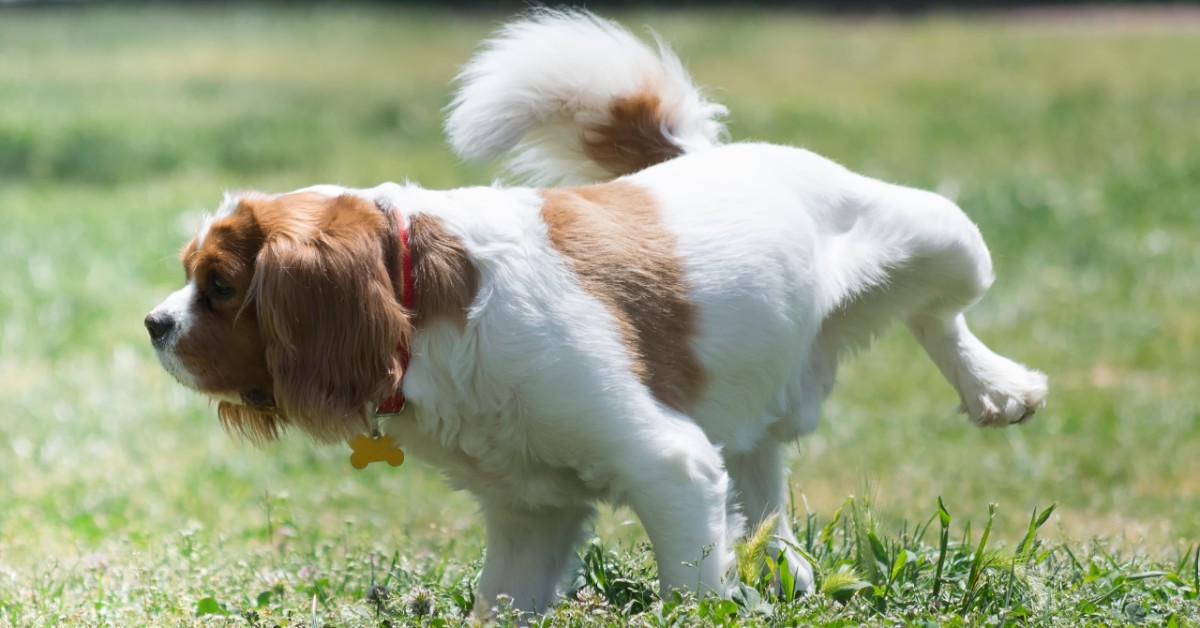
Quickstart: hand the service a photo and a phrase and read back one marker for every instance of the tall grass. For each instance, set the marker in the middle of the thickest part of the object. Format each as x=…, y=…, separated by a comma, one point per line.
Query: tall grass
x=1072, y=146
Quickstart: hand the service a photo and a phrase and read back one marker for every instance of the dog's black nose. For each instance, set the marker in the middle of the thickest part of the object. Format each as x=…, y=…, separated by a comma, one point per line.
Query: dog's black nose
x=159, y=325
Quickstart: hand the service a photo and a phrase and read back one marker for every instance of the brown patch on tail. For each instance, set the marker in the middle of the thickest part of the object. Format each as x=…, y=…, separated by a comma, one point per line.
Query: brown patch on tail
x=633, y=139
x=613, y=239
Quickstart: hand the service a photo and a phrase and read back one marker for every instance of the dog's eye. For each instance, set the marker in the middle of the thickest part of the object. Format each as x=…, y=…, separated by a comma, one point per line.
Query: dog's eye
x=220, y=287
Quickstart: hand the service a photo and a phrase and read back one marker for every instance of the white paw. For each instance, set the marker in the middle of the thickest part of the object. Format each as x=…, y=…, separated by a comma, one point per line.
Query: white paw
x=1003, y=393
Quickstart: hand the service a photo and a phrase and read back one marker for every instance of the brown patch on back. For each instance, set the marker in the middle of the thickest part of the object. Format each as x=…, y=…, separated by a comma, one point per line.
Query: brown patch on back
x=614, y=241
x=444, y=279
x=633, y=139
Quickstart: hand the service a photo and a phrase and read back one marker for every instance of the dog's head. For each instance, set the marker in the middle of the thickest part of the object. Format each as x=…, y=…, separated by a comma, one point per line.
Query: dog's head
x=291, y=313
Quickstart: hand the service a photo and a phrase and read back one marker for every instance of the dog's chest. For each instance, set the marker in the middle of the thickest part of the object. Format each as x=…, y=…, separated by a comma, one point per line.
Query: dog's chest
x=471, y=420
x=489, y=457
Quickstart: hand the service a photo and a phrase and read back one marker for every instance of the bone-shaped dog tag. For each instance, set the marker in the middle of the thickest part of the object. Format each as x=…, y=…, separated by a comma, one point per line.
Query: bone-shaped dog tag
x=366, y=449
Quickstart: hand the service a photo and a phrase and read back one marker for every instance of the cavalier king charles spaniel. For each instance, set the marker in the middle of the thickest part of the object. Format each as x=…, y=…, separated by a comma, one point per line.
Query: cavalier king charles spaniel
x=650, y=332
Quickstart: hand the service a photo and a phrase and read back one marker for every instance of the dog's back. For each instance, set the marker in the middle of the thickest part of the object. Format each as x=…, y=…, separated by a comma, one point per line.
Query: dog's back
x=782, y=262
x=573, y=98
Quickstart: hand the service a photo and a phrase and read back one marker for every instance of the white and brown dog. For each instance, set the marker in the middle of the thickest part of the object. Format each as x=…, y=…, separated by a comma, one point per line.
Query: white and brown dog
x=650, y=337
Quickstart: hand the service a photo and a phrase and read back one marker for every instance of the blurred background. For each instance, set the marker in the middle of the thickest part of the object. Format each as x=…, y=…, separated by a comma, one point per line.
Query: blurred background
x=1069, y=134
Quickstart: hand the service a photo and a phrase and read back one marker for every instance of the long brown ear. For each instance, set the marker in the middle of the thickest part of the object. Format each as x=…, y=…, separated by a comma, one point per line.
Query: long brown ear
x=330, y=321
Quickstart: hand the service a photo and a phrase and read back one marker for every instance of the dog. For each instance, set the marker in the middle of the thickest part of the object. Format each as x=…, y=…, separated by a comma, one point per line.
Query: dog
x=650, y=332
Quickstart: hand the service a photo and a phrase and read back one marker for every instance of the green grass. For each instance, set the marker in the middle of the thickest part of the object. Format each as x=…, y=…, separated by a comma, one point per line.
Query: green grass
x=1075, y=148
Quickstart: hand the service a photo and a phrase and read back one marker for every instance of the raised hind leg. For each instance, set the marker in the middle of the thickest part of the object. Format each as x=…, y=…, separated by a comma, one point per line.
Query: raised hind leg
x=926, y=262
x=995, y=391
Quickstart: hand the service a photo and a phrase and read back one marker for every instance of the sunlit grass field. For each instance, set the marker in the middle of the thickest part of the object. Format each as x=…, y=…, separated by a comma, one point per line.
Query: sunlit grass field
x=1075, y=147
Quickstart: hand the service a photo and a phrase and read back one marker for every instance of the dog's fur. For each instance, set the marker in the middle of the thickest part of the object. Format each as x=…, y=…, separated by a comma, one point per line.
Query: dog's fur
x=650, y=340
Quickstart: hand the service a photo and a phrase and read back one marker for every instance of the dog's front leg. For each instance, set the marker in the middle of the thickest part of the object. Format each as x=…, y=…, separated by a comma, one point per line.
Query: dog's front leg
x=529, y=553
x=675, y=480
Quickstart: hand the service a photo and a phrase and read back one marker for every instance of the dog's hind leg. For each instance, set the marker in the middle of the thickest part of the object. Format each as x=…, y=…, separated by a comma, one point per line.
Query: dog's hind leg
x=956, y=271
x=915, y=254
x=760, y=483
x=995, y=391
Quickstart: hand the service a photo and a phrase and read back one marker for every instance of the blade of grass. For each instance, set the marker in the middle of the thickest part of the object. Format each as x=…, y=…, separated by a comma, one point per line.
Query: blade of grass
x=977, y=562
x=1196, y=571
x=1035, y=522
x=944, y=517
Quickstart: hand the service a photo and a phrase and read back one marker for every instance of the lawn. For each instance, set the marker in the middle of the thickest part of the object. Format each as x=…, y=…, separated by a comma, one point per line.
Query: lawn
x=1074, y=144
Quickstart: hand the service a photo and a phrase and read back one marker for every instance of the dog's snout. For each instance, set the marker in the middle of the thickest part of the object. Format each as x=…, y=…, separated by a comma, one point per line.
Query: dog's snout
x=159, y=325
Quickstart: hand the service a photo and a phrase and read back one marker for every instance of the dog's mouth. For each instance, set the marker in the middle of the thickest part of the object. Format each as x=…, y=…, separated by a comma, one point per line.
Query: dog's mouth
x=258, y=398
x=252, y=414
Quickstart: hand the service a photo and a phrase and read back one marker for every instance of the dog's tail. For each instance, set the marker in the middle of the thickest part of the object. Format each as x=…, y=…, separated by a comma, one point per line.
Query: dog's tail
x=577, y=98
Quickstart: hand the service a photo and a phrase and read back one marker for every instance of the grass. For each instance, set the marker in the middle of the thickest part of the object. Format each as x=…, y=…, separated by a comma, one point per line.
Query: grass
x=1073, y=146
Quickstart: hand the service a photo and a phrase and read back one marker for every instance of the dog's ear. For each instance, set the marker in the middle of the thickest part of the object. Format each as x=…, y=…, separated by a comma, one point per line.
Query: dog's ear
x=330, y=322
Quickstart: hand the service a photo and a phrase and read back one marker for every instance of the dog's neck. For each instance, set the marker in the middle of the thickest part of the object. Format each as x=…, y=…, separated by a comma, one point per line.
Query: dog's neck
x=405, y=286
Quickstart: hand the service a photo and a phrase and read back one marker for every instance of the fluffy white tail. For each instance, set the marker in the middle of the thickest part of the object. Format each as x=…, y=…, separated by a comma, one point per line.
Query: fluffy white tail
x=576, y=99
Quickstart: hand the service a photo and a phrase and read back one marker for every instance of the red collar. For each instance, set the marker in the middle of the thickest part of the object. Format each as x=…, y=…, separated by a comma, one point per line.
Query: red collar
x=395, y=403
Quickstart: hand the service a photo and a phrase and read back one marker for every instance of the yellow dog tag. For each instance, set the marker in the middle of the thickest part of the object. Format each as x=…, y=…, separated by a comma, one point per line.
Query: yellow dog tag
x=366, y=449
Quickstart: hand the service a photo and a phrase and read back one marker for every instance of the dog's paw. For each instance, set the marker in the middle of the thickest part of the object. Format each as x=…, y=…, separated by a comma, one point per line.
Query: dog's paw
x=1003, y=394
